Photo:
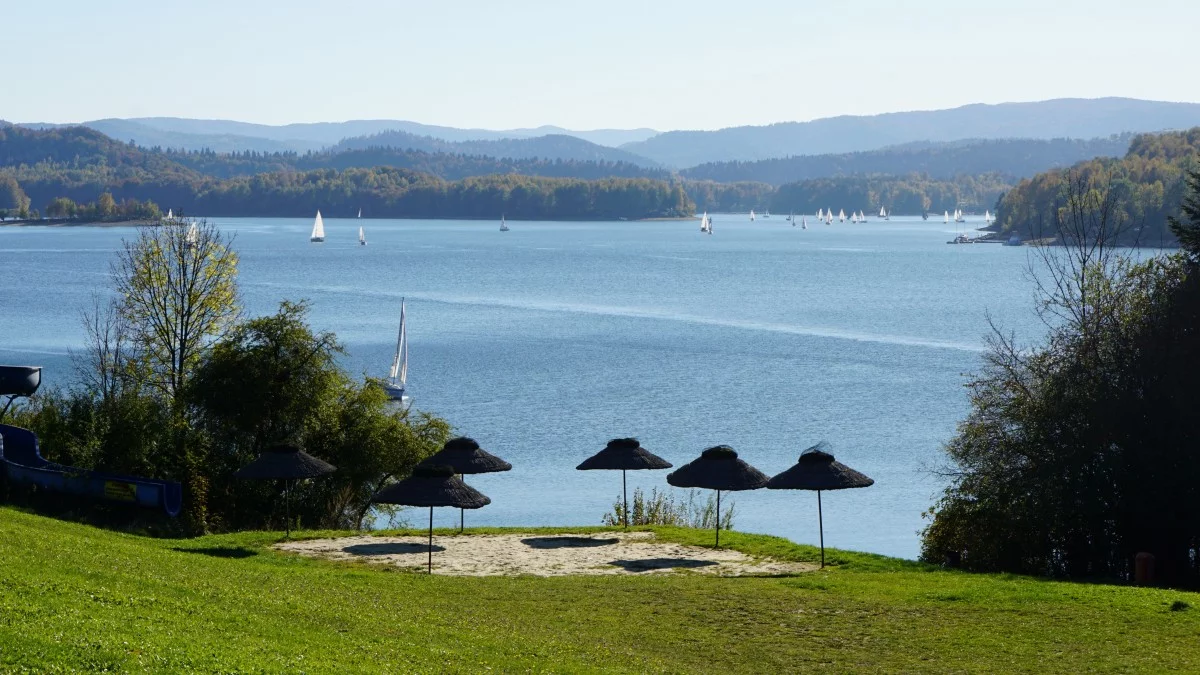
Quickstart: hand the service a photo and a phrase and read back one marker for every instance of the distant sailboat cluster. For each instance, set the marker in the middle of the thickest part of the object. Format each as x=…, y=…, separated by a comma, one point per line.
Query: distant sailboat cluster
x=705, y=223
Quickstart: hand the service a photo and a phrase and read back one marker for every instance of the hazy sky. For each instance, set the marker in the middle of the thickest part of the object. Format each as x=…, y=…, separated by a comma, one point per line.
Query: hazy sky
x=667, y=64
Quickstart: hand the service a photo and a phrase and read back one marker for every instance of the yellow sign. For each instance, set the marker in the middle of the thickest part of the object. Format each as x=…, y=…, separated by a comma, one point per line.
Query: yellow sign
x=121, y=492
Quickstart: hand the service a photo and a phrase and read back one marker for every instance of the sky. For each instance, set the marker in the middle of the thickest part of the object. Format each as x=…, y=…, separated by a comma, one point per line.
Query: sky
x=664, y=64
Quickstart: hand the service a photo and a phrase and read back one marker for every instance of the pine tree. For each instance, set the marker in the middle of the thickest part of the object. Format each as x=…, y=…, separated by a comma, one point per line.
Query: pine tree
x=1187, y=229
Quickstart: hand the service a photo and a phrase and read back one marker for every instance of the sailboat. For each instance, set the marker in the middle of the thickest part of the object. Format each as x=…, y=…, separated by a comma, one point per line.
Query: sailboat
x=503, y=225
x=705, y=224
x=170, y=214
x=958, y=216
x=791, y=217
x=820, y=214
x=192, y=236
x=360, y=213
x=987, y=217
x=946, y=217
x=398, y=376
x=842, y=215
x=362, y=239
x=804, y=223
x=318, y=231
x=882, y=212
x=751, y=215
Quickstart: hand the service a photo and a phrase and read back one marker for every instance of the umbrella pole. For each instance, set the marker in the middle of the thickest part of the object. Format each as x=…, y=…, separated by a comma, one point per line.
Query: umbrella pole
x=821, y=528
x=461, y=512
x=625, y=495
x=287, y=510
x=430, y=540
x=718, y=544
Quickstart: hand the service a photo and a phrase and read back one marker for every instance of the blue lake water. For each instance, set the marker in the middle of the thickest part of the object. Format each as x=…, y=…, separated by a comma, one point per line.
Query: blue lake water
x=548, y=340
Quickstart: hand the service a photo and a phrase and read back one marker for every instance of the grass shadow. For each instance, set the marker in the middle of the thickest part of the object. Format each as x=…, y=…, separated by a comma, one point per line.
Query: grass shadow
x=568, y=542
x=651, y=564
x=394, y=548
x=220, y=551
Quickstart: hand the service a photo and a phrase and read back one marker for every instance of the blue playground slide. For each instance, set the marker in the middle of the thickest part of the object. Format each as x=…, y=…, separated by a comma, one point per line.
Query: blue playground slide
x=22, y=461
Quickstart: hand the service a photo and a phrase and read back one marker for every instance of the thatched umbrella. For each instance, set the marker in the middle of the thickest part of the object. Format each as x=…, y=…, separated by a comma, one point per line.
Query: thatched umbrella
x=718, y=468
x=625, y=454
x=817, y=470
x=285, y=462
x=432, y=485
x=465, y=456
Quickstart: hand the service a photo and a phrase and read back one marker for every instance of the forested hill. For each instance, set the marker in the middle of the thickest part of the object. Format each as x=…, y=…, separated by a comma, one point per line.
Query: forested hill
x=1147, y=184
x=1059, y=118
x=1013, y=157
x=443, y=165
x=81, y=164
x=552, y=146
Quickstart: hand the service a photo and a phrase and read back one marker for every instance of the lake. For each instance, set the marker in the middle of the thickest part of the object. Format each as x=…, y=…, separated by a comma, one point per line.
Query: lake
x=545, y=341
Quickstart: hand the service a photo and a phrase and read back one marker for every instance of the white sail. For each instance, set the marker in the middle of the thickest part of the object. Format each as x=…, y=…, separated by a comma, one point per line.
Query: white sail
x=987, y=216
x=192, y=236
x=751, y=214
x=170, y=214
x=804, y=223
x=503, y=225
x=882, y=213
x=398, y=375
x=362, y=238
x=820, y=214
x=946, y=217
x=318, y=230
x=360, y=213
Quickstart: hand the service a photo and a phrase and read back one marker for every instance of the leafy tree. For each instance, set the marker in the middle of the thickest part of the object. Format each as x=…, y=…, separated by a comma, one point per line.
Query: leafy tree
x=178, y=292
x=61, y=207
x=1079, y=454
x=106, y=205
x=272, y=380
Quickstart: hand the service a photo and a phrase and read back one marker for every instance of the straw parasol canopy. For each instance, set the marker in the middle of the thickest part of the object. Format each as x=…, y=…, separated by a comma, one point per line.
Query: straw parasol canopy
x=626, y=454
x=818, y=470
x=718, y=468
x=432, y=485
x=466, y=457
x=287, y=463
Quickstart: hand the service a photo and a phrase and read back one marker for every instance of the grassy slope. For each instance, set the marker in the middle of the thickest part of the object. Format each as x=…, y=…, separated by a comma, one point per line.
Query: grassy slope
x=74, y=597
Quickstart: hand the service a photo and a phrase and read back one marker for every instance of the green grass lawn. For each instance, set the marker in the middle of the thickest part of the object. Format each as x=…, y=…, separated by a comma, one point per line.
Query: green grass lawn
x=76, y=598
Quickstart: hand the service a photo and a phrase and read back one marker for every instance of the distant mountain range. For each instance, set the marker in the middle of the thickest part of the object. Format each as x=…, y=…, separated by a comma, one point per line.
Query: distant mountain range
x=231, y=136
x=1058, y=118
x=551, y=147
x=1055, y=119
x=1015, y=157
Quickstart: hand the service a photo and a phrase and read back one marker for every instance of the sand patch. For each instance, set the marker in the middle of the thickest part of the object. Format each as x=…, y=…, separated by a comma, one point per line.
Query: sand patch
x=543, y=555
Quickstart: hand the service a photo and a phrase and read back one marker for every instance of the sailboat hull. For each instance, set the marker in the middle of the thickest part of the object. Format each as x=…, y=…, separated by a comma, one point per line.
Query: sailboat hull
x=316, y=240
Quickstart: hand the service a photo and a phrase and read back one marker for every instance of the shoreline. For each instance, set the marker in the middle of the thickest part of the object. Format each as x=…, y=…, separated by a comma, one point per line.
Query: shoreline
x=71, y=222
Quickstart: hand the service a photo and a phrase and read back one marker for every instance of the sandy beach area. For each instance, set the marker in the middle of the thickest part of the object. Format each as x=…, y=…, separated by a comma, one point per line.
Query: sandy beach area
x=543, y=555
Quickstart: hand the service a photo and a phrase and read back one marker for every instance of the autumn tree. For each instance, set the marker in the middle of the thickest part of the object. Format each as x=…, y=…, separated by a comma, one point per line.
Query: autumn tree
x=177, y=286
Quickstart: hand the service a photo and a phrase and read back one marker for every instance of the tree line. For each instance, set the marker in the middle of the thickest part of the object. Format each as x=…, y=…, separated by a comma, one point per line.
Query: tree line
x=79, y=164
x=912, y=194
x=1147, y=184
